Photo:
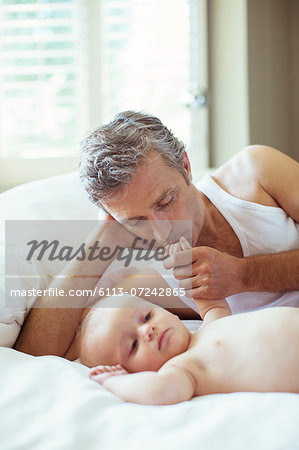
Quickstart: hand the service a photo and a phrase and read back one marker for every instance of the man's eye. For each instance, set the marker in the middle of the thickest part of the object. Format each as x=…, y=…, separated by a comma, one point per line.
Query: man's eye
x=167, y=204
x=147, y=317
x=134, y=346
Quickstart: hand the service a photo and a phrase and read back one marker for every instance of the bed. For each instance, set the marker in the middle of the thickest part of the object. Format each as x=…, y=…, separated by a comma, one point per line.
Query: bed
x=49, y=403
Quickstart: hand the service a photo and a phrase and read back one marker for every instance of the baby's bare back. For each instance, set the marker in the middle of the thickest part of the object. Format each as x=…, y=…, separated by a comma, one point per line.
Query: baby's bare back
x=255, y=351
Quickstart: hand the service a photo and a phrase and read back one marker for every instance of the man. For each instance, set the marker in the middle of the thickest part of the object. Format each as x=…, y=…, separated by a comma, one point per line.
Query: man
x=136, y=169
x=245, y=232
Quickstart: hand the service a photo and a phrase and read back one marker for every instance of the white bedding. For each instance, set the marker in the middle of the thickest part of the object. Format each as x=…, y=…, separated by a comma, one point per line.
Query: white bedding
x=59, y=198
x=50, y=403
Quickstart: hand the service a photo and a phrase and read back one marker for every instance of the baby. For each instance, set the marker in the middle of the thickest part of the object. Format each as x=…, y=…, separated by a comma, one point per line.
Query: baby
x=148, y=356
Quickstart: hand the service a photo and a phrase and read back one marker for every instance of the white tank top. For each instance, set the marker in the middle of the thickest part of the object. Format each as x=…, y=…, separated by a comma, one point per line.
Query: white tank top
x=260, y=230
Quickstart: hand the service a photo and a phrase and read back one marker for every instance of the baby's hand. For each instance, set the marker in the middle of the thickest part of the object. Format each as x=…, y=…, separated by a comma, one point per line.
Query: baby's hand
x=101, y=373
x=178, y=246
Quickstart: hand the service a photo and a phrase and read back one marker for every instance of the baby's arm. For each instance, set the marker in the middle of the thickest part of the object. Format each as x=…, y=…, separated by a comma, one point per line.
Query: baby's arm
x=211, y=310
x=171, y=384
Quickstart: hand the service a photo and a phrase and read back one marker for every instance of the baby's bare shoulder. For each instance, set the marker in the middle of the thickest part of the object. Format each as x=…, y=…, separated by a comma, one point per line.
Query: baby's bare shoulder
x=186, y=369
x=189, y=360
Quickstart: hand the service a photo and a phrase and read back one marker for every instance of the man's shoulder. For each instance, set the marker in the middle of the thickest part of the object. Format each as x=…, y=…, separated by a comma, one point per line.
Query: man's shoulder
x=241, y=176
x=250, y=160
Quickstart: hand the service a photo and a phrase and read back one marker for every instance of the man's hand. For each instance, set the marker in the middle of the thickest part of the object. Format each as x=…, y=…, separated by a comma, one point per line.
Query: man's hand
x=204, y=272
x=102, y=373
x=209, y=309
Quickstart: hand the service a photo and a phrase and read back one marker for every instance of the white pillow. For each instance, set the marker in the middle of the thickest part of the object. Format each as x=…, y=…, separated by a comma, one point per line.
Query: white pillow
x=55, y=198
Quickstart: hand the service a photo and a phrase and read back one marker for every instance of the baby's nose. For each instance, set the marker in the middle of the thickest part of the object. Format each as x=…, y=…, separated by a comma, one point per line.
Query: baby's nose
x=149, y=332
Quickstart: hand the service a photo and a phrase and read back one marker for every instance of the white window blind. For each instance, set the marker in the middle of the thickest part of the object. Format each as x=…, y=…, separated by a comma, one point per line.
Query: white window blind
x=68, y=65
x=145, y=55
x=42, y=47
x=150, y=62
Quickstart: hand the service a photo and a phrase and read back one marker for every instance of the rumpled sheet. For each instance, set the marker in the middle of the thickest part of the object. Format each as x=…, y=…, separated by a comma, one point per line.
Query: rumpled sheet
x=50, y=403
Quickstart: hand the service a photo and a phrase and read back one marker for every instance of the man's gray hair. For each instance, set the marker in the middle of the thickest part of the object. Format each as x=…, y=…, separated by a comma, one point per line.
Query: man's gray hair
x=111, y=154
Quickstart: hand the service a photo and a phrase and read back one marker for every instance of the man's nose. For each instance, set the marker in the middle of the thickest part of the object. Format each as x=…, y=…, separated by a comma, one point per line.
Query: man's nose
x=148, y=332
x=161, y=229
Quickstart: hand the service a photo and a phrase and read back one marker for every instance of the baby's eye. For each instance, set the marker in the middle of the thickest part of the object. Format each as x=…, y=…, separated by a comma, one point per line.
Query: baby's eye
x=147, y=317
x=134, y=346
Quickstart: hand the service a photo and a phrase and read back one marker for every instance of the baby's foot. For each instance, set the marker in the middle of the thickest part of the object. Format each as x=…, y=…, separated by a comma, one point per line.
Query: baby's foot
x=101, y=373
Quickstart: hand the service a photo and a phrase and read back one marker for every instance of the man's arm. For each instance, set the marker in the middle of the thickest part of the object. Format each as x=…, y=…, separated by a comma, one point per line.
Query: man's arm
x=217, y=275
x=278, y=176
x=267, y=175
x=171, y=384
x=52, y=323
x=271, y=273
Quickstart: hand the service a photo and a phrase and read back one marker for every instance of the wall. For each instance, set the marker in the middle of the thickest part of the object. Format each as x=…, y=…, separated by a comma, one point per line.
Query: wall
x=273, y=73
x=254, y=81
x=228, y=70
x=293, y=85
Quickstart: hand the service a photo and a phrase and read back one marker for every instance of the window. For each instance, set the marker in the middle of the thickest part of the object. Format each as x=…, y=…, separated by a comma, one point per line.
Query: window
x=153, y=58
x=42, y=65
x=69, y=65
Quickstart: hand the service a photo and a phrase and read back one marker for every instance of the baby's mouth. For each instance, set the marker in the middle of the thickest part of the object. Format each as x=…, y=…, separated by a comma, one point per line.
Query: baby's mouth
x=162, y=338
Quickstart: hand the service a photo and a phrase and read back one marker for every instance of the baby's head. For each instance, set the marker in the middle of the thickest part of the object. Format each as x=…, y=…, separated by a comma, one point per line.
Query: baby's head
x=129, y=331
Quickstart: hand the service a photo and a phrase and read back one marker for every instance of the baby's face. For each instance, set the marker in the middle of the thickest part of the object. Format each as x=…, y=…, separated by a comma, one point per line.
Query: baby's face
x=140, y=337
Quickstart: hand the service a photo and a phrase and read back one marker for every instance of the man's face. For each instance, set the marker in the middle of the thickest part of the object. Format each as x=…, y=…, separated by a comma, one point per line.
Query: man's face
x=139, y=337
x=159, y=204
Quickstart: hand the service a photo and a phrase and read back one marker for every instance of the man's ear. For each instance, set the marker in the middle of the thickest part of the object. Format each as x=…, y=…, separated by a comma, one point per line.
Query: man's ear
x=187, y=166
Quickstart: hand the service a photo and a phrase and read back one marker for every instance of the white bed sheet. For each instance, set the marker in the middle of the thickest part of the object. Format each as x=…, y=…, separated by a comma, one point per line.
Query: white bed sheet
x=50, y=403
